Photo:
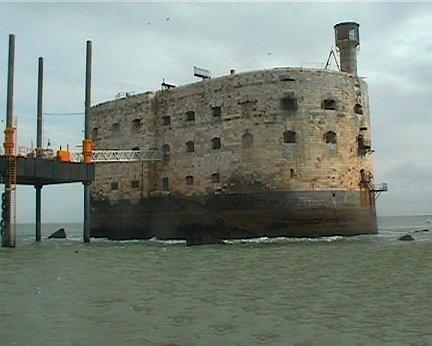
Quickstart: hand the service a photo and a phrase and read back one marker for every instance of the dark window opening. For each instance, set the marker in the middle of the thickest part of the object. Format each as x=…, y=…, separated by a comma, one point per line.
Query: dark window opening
x=95, y=132
x=115, y=130
x=286, y=79
x=166, y=120
x=114, y=185
x=189, y=180
x=363, y=128
x=358, y=109
x=289, y=103
x=135, y=184
x=166, y=151
x=190, y=147
x=217, y=111
x=136, y=125
x=330, y=137
x=247, y=141
x=329, y=104
x=290, y=137
x=136, y=148
x=364, y=145
x=165, y=184
x=292, y=174
x=215, y=178
x=216, y=143
x=190, y=116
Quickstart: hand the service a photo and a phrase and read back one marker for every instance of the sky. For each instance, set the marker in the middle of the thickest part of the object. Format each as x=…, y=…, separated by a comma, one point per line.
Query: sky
x=135, y=45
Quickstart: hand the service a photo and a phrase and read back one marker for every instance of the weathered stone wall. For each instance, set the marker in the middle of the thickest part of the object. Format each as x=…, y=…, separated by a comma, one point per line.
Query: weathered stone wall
x=252, y=103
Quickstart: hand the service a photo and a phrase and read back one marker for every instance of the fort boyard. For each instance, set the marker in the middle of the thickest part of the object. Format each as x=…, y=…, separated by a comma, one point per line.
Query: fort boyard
x=277, y=152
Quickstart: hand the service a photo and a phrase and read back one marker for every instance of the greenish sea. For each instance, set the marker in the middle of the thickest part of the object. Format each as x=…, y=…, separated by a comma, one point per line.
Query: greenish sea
x=365, y=290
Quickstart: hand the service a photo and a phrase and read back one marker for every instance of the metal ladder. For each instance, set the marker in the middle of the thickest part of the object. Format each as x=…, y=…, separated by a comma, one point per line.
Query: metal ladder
x=12, y=201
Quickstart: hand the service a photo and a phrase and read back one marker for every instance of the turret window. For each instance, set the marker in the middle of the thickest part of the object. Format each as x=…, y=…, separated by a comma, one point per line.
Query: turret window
x=329, y=104
x=166, y=152
x=190, y=147
x=190, y=116
x=215, y=178
x=247, y=141
x=189, y=180
x=217, y=111
x=330, y=137
x=290, y=137
x=216, y=143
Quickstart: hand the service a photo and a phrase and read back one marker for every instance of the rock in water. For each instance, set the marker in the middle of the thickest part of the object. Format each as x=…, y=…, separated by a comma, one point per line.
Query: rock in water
x=59, y=234
x=406, y=237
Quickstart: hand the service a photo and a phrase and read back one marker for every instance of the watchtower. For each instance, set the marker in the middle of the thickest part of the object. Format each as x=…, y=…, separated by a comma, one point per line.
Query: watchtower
x=347, y=40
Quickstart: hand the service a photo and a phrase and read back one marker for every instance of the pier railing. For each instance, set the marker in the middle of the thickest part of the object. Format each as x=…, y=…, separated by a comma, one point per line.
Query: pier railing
x=99, y=156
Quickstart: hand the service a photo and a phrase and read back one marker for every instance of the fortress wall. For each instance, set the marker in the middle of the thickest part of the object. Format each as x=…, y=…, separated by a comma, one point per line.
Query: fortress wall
x=250, y=103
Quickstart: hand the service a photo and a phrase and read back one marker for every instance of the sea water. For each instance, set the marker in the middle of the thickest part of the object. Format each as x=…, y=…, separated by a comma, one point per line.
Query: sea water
x=364, y=290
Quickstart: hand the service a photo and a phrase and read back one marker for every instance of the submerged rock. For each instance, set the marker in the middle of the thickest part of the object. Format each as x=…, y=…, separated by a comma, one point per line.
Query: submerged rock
x=406, y=237
x=421, y=231
x=59, y=234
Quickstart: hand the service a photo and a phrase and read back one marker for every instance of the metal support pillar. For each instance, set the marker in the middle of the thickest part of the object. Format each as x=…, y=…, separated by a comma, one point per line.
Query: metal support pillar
x=8, y=239
x=38, y=212
x=87, y=102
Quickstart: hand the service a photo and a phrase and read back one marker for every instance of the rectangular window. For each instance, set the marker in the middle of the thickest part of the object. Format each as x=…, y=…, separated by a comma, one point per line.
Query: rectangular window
x=165, y=184
x=292, y=174
x=135, y=184
x=114, y=185
x=166, y=120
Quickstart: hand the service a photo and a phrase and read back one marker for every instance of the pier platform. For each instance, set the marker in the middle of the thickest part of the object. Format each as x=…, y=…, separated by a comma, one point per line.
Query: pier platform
x=40, y=171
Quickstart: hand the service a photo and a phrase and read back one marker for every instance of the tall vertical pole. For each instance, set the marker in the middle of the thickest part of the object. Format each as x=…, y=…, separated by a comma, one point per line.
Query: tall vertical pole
x=10, y=81
x=87, y=141
x=39, y=108
x=6, y=227
x=39, y=148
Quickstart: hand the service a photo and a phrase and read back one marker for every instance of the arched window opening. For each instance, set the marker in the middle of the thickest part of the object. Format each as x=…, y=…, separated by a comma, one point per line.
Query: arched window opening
x=289, y=103
x=290, y=137
x=115, y=129
x=189, y=180
x=135, y=184
x=329, y=104
x=190, y=147
x=190, y=116
x=358, y=109
x=95, y=132
x=114, y=185
x=166, y=152
x=217, y=111
x=136, y=125
x=215, y=178
x=330, y=137
x=166, y=120
x=216, y=143
x=165, y=184
x=247, y=141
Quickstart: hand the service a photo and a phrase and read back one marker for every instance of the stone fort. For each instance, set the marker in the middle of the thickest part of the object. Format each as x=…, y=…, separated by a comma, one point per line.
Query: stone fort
x=285, y=130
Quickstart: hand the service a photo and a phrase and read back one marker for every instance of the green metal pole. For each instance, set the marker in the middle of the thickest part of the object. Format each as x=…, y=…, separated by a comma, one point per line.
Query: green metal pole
x=86, y=233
